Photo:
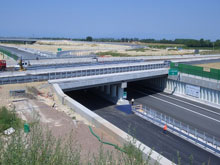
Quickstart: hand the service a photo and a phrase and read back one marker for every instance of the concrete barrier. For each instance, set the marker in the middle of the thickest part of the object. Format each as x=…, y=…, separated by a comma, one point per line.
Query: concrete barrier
x=109, y=128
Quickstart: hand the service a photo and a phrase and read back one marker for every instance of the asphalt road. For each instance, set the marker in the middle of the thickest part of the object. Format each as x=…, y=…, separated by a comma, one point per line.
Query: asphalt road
x=19, y=53
x=80, y=64
x=148, y=133
x=197, y=115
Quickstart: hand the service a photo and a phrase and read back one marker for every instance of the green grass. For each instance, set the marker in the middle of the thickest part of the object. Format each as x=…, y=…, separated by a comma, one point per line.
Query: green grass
x=162, y=46
x=137, y=50
x=113, y=54
x=39, y=146
x=9, y=119
x=9, y=54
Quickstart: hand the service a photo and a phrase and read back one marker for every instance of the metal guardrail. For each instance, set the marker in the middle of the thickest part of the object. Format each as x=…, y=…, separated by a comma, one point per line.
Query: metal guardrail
x=36, y=76
x=196, y=136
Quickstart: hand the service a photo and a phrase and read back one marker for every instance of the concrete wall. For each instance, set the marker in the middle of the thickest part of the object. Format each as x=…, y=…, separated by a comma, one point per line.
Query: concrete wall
x=173, y=86
x=106, y=126
x=98, y=80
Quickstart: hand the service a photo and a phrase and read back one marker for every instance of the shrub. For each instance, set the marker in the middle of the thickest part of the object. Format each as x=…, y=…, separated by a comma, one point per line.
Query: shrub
x=9, y=119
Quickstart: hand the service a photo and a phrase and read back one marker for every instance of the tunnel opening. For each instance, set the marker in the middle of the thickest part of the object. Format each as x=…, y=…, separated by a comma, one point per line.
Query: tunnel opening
x=98, y=97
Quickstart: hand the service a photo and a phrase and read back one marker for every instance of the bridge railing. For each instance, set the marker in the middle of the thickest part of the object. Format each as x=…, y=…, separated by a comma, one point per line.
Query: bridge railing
x=34, y=76
x=183, y=130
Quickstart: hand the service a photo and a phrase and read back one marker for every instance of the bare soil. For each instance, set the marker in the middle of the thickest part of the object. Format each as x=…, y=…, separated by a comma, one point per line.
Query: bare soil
x=211, y=65
x=40, y=101
x=85, y=48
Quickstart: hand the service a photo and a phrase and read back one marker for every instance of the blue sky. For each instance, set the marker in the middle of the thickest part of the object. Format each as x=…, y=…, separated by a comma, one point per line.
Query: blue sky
x=111, y=18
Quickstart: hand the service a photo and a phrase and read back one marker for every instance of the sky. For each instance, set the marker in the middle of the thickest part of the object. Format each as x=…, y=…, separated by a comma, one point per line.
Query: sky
x=157, y=19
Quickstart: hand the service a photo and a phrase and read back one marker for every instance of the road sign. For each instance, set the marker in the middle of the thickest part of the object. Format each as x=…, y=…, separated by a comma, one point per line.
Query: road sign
x=193, y=90
x=125, y=95
x=59, y=49
x=173, y=72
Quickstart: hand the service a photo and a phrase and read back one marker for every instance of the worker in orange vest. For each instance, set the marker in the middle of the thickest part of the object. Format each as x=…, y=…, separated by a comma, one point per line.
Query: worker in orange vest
x=165, y=129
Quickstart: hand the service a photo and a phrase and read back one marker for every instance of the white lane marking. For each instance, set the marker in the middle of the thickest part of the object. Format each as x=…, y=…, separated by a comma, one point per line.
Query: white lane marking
x=179, y=106
x=205, y=109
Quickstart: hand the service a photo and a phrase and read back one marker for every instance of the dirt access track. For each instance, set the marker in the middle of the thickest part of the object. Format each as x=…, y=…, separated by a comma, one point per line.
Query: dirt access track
x=39, y=100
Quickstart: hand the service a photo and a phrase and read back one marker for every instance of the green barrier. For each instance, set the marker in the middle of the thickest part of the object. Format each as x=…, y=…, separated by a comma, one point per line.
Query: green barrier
x=9, y=54
x=116, y=146
x=197, y=70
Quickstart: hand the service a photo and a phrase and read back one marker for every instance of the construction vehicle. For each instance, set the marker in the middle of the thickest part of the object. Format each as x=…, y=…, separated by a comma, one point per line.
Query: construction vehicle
x=21, y=65
x=2, y=65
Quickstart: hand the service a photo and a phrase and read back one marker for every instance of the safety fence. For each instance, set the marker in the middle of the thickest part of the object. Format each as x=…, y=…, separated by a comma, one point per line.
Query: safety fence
x=34, y=76
x=196, y=136
x=9, y=54
x=197, y=70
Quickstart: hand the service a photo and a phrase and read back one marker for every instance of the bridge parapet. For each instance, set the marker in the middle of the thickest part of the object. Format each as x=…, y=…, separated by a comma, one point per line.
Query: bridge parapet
x=44, y=75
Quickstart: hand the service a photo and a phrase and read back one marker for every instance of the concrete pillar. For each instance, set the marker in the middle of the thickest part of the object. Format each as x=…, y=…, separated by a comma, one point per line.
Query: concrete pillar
x=202, y=94
x=105, y=89
x=216, y=97
x=102, y=88
x=120, y=92
x=168, y=84
x=108, y=89
x=209, y=95
x=205, y=94
x=213, y=96
x=113, y=90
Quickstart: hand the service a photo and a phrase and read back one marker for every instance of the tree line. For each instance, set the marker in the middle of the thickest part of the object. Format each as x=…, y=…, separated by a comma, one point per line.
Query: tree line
x=187, y=42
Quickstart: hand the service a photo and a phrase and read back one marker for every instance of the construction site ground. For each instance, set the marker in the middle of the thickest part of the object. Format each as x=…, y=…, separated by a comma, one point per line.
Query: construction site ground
x=211, y=65
x=40, y=100
x=85, y=48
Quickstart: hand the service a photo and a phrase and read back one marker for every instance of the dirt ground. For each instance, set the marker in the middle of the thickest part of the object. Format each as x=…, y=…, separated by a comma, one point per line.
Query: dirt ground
x=85, y=48
x=40, y=101
x=211, y=65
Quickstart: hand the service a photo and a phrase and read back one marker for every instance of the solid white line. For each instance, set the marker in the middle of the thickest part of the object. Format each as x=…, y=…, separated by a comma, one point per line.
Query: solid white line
x=205, y=109
x=179, y=106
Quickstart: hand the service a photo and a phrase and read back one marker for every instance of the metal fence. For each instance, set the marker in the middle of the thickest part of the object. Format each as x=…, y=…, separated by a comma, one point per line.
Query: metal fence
x=33, y=76
x=198, y=137
x=197, y=70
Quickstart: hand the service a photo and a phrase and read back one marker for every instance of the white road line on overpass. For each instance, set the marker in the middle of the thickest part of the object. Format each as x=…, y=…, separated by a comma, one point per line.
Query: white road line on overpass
x=205, y=109
x=179, y=106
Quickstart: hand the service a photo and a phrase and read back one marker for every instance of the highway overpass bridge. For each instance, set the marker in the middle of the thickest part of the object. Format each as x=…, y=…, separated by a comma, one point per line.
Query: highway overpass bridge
x=65, y=74
x=108, y=80
x=17, y=40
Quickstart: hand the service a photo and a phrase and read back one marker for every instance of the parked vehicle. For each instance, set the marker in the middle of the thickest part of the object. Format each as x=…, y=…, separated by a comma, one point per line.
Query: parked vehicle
x=2, y=65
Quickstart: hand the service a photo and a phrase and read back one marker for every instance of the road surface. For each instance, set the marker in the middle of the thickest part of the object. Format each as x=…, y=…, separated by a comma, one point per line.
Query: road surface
x=151, y=135
x=197, y=115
